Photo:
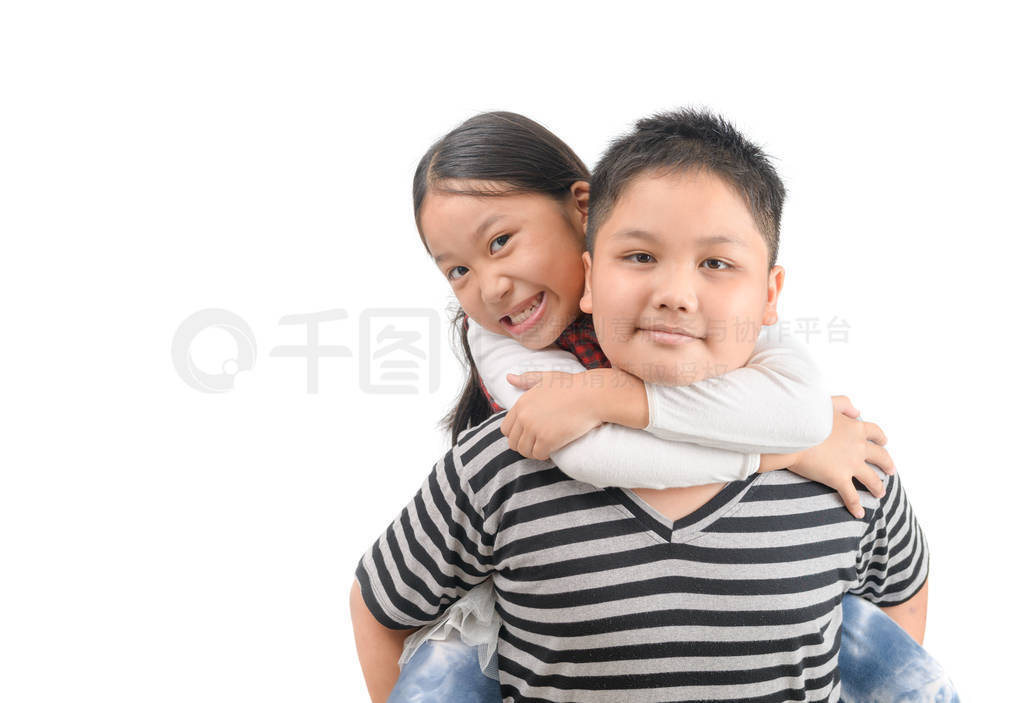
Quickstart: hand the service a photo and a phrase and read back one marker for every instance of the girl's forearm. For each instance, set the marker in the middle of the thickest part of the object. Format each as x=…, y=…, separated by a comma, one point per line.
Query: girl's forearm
x=378, y=647
x=774, y=462
x=776, y=403
x=620, y=397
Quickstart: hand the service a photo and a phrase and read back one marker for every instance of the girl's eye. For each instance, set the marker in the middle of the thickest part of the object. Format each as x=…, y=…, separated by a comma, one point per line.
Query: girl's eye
x=717, y=264
x=457, y=272
x=500, y=241
x=640, y=258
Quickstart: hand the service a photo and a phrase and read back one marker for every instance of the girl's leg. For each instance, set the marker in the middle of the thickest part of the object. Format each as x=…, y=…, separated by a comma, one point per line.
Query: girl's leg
x=879, y=661
x=444, y=671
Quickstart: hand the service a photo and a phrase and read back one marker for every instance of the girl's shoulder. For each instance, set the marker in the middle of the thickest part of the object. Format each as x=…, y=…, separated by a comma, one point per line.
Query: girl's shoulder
x=580, y=339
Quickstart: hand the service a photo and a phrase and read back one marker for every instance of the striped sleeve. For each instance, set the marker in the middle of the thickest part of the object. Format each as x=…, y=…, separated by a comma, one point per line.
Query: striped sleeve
x=893, y=559
x=432, y=554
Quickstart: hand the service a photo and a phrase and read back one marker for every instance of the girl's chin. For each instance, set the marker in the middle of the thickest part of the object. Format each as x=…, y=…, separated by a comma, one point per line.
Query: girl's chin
x=546, y=331
x=537, y=338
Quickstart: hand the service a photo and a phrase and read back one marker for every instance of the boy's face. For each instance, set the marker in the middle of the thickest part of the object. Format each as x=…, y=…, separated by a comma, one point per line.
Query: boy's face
x=679, y=285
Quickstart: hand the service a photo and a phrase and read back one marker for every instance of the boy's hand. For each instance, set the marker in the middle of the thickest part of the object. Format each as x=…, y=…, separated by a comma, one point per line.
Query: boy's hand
x=845, y=455
x=556, y=409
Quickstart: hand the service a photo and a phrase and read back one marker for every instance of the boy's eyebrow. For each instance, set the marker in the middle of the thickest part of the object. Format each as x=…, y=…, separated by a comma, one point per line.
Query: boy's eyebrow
x=484, y=226
x=651, y=237
x=721, y=239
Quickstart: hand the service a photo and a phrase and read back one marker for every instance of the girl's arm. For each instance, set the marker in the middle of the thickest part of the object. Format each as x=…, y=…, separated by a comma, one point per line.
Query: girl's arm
x=606, y=456
x=613, y=455
x=773, y=405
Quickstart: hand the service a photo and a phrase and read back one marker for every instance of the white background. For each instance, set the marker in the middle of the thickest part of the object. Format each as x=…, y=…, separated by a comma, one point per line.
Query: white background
x=161, y=544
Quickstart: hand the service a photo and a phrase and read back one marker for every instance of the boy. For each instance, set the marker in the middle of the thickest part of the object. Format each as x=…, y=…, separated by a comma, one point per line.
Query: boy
x=721, y=592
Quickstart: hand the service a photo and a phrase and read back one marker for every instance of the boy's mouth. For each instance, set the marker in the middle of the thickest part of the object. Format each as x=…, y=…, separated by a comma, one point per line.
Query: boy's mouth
x=663, y=334
x=528, y=314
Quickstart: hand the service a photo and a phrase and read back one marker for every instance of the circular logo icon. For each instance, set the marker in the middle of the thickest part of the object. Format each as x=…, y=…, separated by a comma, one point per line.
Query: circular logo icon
x=181, y=350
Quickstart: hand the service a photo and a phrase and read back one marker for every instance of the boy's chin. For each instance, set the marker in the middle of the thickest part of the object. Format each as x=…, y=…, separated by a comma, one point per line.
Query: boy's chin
x=659, y=374
x=674, y=373
x=673, y=379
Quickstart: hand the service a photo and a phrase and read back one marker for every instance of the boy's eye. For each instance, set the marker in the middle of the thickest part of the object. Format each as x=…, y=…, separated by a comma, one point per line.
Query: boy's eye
x=717, y=264
x=640, y=258
x=457, y=272
x=500, y=241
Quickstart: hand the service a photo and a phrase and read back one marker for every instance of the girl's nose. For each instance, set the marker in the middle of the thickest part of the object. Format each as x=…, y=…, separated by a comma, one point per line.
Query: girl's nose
x=494, y=287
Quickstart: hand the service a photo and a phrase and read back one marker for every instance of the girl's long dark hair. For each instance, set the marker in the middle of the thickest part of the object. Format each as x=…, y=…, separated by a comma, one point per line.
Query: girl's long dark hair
x=509, y=153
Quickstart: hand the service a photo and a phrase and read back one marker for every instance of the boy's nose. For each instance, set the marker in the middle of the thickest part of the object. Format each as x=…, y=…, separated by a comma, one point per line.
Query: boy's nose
x=676, y=290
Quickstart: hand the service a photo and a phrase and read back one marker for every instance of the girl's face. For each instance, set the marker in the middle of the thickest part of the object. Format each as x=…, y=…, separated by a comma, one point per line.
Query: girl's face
x=514, y=261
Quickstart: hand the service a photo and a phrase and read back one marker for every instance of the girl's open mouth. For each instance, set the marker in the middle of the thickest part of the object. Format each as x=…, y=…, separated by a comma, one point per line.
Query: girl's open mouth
x=522, y=321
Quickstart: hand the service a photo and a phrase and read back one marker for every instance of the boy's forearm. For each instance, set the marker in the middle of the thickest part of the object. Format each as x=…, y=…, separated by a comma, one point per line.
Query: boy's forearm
x=378, y=647
x=620, y=397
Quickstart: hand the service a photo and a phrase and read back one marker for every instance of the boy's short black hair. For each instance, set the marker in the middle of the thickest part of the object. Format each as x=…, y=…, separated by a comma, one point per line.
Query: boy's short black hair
x=673, y=142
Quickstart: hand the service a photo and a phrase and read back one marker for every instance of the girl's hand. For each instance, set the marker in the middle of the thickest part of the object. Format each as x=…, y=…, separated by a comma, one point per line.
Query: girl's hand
x=556, y=409
x=845, y=455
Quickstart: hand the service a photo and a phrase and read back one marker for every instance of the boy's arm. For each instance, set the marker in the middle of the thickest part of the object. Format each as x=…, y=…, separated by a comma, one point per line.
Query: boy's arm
x=912, y=614
x=378, y=647
x=432, y=554
x=775, y=404
x=893, y=561
x=607, y=455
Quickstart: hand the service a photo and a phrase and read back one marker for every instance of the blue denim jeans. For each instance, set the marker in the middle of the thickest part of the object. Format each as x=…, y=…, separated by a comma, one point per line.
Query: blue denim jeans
x=878, y=662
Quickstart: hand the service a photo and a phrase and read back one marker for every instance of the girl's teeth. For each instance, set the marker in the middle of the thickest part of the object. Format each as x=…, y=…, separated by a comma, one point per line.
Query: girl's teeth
x=516, y=319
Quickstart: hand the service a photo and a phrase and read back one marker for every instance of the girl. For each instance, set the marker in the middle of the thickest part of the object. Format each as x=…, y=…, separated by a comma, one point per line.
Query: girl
x=501, y=207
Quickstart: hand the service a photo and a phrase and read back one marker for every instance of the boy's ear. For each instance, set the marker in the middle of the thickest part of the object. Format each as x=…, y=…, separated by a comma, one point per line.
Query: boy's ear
x=580, y=192
x=586, y=302
x=776, y=277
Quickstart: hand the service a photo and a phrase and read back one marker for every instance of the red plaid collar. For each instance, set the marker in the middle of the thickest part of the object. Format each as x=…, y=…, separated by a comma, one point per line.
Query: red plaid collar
x=580, y=339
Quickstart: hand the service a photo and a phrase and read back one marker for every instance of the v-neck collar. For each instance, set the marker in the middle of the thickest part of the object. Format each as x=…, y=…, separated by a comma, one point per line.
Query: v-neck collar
x=688, y=525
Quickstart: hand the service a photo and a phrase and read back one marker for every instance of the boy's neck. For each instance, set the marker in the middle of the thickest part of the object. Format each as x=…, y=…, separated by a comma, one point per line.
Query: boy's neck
x=676, y=503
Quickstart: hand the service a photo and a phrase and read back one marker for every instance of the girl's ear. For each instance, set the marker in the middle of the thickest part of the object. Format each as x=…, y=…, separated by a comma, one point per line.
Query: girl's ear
x=776, y=277
x=587, y=302
x=580, y=193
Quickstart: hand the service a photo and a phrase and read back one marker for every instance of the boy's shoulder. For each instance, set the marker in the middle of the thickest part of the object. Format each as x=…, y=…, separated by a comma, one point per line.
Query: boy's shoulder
x=491, y=472
x=787, y=493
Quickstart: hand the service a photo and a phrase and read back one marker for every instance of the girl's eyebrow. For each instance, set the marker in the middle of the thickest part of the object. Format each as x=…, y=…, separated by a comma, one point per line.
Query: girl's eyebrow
x=484, y=226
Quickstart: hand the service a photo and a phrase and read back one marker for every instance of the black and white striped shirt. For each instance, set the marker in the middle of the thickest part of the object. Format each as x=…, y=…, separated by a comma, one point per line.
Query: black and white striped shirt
x=603, y=599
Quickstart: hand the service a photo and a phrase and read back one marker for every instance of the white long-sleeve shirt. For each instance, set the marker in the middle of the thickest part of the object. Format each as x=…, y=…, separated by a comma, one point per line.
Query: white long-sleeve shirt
x=706, y=432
